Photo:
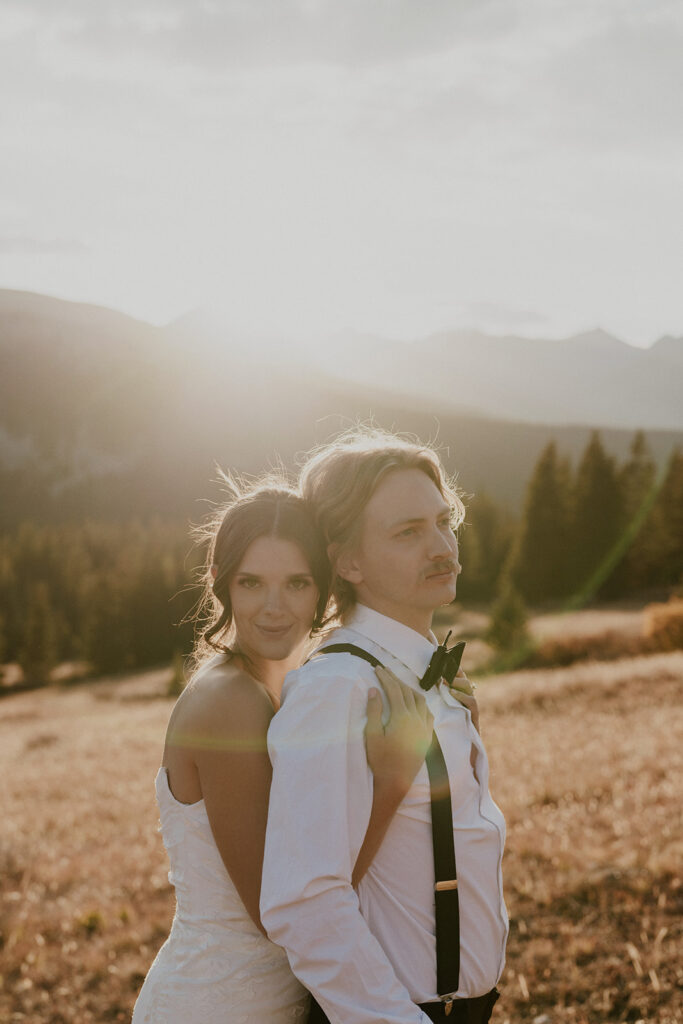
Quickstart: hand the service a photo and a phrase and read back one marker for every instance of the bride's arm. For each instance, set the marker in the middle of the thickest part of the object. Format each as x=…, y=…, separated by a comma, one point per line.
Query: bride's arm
x=225, y=735
x=229, y=749
x=395, y=753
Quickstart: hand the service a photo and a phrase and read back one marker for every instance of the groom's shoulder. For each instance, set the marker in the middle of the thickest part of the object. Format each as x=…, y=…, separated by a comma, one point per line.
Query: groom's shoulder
x=335, y=668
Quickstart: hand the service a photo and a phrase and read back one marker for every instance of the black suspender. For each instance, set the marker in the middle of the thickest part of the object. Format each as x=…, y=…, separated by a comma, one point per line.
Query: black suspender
x=446, y=901
x=447, y=909
x=349, y=649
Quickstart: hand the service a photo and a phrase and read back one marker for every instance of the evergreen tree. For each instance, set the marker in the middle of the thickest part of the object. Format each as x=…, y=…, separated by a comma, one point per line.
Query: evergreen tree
x=38, y=653
x=540, y=556
x=108, y=587
x=598, y=518
x=9, y=599
x=665, y=526
x=636, y=482
x=636, y=476
x=485, y=542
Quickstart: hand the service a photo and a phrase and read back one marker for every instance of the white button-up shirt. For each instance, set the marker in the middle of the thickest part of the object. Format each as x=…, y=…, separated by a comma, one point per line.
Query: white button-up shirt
x=370, y=956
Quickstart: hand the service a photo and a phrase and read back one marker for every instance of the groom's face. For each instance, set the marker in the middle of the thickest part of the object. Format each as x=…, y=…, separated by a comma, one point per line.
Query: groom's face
x=406, y=562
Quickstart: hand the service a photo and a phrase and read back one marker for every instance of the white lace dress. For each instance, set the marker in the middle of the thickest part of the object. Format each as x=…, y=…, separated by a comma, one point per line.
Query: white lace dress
x=215, y=967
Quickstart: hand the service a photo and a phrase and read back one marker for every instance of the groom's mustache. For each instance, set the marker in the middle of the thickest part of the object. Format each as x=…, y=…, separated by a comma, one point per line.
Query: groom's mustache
x=436, y=568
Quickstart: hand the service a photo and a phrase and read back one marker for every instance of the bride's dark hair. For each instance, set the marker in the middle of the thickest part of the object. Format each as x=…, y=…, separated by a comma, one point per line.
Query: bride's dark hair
x=268, y=508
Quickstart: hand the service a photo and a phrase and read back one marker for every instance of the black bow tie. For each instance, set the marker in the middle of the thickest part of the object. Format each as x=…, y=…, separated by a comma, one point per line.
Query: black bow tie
x=444, y=664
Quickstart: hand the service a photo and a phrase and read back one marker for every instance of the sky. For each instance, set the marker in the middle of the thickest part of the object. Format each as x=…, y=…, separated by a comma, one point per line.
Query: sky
x=390, y=166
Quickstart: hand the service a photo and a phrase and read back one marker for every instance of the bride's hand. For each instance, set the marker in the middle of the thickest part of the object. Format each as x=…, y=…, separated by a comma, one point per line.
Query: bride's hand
x=396, y=751
x=463, y=690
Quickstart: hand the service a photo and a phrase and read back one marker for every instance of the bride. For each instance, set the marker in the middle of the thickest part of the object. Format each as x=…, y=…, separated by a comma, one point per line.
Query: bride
x=266, y=586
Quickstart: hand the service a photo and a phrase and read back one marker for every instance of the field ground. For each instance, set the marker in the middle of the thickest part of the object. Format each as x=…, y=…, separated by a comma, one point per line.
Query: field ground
x=587, y=766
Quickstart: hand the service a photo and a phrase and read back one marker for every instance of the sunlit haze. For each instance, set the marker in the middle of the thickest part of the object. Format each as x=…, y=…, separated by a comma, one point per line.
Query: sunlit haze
x=394, y=167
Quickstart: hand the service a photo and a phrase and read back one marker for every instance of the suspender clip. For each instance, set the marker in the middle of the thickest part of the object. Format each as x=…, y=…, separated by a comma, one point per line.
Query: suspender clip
x=447, y=1004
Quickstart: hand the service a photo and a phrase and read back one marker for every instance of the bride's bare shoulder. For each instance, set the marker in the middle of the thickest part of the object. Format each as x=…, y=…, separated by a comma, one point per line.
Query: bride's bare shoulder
x=221, y=697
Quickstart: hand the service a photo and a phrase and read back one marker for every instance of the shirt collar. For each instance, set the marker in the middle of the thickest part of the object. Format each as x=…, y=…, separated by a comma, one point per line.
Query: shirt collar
x=405, y=644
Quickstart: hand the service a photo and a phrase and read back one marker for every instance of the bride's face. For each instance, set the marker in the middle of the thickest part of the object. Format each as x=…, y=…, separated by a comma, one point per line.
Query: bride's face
x=274, y=599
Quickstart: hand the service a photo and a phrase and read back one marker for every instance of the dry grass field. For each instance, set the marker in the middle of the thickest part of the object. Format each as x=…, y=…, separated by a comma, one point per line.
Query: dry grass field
x=587, y=766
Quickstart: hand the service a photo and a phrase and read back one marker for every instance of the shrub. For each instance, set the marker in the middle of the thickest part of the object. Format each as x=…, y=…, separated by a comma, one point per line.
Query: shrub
x=663, y=625
x=608, y=646
x=507, y=630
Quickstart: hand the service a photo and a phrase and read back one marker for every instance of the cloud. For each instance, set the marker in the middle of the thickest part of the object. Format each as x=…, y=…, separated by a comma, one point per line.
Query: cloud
x=620, y=87
x=22, y=245
x=528, y=72
x=232, y=33
x=394, y=155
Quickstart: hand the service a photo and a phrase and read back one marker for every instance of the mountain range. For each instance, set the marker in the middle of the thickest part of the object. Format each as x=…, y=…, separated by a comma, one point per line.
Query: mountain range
x=105, y=415
x=590, y=378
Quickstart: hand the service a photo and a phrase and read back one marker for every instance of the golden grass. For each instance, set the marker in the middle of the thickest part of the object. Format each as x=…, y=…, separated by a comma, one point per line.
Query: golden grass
x=587, y=622
x=587, y=766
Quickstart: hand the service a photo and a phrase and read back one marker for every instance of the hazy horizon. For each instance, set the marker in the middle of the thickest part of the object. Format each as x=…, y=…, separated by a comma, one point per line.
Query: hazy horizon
x=215, y=319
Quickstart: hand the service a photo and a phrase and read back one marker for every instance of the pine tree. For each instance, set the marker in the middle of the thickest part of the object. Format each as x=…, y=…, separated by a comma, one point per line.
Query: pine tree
x=107, y=641
x=636, y=482
x=38, y=653
x=598, y=518
x=637, y=475
x=666, y=526
x=109, y=589
x=540, y=556
x=484, y=546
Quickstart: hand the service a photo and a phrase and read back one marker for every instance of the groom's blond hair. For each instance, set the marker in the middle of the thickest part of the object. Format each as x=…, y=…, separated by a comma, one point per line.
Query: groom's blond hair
x=339, y=479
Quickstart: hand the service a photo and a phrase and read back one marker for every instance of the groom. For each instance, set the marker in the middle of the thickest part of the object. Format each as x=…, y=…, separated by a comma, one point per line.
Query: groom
x=387, y=512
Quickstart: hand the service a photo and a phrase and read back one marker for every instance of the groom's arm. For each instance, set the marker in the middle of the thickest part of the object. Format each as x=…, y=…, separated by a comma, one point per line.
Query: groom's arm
x=320, y=804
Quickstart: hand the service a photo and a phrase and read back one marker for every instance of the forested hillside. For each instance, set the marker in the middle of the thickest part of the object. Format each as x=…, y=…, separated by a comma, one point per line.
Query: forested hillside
x=113, y=593
x=110, y=431
x=103, y=416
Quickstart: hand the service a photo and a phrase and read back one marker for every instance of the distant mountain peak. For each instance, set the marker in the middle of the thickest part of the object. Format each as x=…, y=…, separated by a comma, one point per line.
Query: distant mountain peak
x=597, y=337
x=668, y=351
x=52, y=307
x=668, y=341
